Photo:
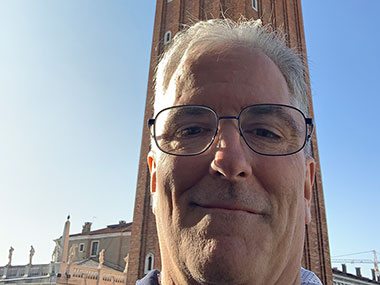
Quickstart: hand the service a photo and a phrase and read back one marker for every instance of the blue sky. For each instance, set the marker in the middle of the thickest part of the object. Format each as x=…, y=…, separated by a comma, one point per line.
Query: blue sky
x=73, y=79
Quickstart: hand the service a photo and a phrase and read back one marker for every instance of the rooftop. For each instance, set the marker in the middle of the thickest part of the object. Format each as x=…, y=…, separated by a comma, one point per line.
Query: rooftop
x=122, y=226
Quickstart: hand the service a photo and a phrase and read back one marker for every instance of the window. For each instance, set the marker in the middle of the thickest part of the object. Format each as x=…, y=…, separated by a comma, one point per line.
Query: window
x=254, y=5
x=94, y=248
x=149, y=262
x=170, y=1
x=81, y=247
x=167, y=37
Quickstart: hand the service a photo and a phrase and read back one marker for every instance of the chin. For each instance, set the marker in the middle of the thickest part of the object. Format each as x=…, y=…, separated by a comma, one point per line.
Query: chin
x=219, y=273
x=223, y=262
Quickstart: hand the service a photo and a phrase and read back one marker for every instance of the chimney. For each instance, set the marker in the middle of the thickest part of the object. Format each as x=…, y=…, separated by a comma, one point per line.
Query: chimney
x=86, y=228
x=358, y=273
x=344, y=268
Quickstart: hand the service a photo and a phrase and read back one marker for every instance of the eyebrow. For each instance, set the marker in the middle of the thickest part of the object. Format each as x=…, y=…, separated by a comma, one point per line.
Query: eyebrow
x=194, y=111
x=287, y=118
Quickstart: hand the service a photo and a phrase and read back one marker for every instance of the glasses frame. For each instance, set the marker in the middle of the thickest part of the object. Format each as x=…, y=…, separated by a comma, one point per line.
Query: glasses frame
x=308, y=123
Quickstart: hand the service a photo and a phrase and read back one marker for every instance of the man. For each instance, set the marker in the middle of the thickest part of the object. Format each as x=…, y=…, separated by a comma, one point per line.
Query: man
x=230, y=165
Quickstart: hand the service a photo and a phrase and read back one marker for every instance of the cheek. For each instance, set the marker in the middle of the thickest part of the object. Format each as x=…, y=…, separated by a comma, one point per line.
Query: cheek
x=187, y=172
x=175, y=175
x=164, y=185
x=283, y=179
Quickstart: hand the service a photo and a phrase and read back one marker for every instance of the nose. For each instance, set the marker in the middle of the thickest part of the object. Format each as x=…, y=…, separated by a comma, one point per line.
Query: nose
x=232, y=156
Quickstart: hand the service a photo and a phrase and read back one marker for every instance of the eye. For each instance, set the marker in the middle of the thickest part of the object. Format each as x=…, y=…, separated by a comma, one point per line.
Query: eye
x=191, y=131
x=261, y=133
x=265, y=133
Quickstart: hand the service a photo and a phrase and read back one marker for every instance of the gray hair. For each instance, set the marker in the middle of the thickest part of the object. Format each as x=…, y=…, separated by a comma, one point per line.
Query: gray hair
x=248, y=33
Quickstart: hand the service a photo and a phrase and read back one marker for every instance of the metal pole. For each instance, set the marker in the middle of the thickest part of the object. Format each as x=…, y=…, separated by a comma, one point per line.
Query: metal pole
x=375, y=265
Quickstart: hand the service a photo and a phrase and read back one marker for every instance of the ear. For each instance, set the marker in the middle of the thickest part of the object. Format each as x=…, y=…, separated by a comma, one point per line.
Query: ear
x=308, y=187
x=153, y=171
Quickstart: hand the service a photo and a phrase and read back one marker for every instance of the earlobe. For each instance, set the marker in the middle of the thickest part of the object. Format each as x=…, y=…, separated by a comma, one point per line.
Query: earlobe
x=307, y=212
x=153, y=183
x=152, y=169
x=308, y=188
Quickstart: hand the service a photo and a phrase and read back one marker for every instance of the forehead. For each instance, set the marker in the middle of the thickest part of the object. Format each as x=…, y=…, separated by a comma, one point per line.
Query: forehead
x=229, y=76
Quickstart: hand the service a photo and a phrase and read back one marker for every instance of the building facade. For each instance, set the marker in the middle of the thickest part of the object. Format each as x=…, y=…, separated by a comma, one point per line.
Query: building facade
x=114, y=239
x=91, y=257
x=345, y=278
x=171, y=16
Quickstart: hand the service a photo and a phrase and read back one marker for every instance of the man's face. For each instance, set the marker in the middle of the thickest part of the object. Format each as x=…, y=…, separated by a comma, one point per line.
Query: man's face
x=230, y=215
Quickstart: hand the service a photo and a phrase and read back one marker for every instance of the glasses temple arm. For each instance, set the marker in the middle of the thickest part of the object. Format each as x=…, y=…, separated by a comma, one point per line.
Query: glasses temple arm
x=309, y=121
x=150, y=123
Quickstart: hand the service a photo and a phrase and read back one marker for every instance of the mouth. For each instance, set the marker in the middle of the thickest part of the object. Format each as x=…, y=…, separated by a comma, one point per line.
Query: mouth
x=228, y=208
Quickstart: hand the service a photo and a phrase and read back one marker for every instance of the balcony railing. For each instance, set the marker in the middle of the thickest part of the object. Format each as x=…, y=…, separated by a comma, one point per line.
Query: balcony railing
x=79, y=274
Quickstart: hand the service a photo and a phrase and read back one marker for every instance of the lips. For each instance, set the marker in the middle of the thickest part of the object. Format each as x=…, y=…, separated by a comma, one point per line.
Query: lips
x=228, y=207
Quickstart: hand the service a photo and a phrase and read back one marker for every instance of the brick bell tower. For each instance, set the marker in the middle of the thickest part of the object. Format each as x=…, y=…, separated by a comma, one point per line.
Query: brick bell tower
x=169, y=19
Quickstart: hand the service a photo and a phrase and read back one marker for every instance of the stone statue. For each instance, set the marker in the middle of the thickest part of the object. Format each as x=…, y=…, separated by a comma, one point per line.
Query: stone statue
x=101, y=258
x=31, y=253
x=57, y=252
x=126, y=259
x=73, y=250
x=11, y=250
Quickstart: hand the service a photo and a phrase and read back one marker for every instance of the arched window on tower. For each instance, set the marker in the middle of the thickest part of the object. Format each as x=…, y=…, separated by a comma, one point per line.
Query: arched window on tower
x=254, y=5
x=167, y=37
x=149, y=262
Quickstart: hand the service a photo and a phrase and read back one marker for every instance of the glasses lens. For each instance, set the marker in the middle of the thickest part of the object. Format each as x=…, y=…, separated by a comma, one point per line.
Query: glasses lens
x=273, y=129
x=185, y=130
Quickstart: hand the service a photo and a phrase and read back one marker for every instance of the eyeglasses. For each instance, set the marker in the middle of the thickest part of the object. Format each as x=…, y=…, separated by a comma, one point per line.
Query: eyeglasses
x=267, y=129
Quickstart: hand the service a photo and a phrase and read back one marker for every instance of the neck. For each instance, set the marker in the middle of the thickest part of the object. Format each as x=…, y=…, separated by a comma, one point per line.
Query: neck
x=292, y=279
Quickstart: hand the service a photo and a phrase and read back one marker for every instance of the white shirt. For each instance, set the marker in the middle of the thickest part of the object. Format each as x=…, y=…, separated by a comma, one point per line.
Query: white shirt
x=309, y=278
